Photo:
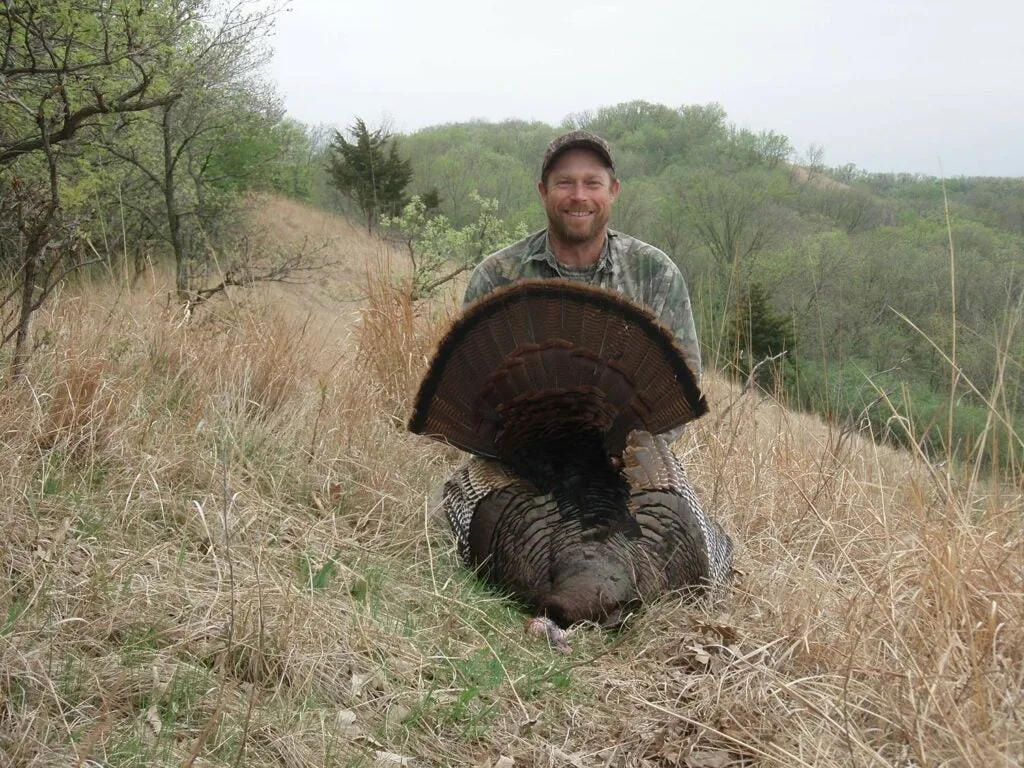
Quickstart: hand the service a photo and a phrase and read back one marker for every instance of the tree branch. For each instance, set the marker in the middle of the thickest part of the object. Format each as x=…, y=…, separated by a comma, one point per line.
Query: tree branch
x=752, y=377
x=132, y=159
x=73, y=122
x=434, y=284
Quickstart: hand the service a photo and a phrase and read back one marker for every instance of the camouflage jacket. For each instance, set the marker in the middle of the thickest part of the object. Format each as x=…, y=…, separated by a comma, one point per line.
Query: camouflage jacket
x=633, y=268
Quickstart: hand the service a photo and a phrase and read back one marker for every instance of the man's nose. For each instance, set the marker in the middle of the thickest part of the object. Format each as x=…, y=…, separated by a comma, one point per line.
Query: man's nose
x=579, y=190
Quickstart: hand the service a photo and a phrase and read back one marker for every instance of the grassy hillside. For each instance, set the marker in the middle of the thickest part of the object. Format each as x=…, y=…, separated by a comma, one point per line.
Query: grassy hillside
x=220, y=549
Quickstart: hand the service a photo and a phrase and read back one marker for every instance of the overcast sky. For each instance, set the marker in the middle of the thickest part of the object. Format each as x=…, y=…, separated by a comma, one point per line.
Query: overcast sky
x=889, y=85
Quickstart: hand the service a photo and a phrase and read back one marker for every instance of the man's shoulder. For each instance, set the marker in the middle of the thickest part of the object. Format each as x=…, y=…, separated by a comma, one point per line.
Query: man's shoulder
x=508, y=259
x=633, y=250
x=519, y=250
x=502, y=267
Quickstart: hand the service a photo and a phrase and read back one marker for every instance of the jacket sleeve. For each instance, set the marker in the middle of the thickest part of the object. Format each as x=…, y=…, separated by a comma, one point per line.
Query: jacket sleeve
x=669, y=299
x=680, y=320
x=480, y=284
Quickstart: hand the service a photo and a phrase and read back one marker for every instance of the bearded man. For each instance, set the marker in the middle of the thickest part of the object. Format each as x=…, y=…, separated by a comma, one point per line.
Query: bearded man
x=578, y=187
x=545, y=523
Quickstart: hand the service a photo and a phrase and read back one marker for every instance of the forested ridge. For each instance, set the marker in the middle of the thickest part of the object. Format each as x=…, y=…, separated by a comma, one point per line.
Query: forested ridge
x=132, y=134
x=848, y=271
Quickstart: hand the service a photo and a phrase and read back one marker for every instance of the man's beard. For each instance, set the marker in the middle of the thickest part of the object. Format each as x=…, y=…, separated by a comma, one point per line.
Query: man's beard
x=578, y=237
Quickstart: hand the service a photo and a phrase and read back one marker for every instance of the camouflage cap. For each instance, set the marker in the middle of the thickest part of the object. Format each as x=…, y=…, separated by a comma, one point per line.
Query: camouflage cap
x=576, y=140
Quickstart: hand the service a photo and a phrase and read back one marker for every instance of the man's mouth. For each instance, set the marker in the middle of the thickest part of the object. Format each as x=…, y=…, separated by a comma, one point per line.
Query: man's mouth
x=579, y=214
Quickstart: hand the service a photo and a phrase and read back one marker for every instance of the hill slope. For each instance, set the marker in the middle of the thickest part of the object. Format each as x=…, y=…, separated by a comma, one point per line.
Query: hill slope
x=219, y=545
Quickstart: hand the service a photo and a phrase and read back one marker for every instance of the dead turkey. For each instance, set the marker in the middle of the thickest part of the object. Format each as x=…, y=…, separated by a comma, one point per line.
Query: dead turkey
x=544, y=382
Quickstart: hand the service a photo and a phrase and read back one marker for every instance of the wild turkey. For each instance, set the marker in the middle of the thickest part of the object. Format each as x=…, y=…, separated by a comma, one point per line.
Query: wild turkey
x=544, y=382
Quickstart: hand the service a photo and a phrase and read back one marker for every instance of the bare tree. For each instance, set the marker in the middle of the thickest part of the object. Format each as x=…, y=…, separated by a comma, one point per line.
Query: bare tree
x=173, y=147
x=728, y=215
x=62, y=69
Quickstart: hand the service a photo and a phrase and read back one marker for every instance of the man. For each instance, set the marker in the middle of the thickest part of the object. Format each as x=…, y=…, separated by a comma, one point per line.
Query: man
x=548, y=523
x=578, y=187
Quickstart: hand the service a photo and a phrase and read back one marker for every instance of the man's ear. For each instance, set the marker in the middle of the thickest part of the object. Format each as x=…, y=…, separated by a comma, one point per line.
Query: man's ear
x=542, y=190
x=615, y=189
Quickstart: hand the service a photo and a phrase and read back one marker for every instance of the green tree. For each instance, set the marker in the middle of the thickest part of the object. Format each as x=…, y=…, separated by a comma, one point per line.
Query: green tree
x=440, y=252
x=757, y=333
x=370, y=171
x=487, y=163
x=773, y=148
x=730, y=213
x=432, y=200
x=194, y=156
x=123, y=117
x=65, y=68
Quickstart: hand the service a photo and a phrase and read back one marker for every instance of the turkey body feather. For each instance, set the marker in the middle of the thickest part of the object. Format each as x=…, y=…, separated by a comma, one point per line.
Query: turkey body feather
x=544, y=381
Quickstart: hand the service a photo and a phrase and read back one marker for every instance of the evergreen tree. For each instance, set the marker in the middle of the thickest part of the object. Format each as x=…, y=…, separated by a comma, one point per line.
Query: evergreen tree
x=757, y=331
x=369, y=171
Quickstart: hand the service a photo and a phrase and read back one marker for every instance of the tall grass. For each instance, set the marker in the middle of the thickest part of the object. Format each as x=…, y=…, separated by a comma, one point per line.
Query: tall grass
x=219, y=549
x=932, y=565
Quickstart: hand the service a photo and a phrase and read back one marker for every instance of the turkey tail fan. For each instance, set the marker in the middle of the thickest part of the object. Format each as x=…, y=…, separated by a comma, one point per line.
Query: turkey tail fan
x=542, y=359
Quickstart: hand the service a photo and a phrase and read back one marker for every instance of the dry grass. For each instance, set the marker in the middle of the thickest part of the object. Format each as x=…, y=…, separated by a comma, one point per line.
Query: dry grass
x=218, y=549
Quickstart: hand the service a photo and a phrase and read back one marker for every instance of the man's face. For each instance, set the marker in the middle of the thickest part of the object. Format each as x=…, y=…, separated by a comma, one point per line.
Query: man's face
x=578, y=196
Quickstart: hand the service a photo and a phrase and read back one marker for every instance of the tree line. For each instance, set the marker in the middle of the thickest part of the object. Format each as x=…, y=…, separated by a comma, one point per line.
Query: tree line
x=846, y=272
x=128, y=129
x=131, y=129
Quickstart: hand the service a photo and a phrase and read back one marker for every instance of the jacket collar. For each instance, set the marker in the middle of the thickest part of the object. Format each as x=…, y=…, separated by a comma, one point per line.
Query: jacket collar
x=539, y=251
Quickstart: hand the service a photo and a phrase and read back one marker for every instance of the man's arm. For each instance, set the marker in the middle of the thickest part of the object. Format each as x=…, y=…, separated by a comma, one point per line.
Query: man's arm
x=680, y=320
x=670, y=301
x=480, y=284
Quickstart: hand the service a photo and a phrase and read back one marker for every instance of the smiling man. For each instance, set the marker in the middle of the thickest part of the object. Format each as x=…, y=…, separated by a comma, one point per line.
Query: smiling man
x=548, y=521
x=578, y=186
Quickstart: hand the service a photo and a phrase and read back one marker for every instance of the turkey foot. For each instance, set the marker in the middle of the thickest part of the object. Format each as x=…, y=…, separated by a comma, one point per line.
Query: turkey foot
x=542, y=626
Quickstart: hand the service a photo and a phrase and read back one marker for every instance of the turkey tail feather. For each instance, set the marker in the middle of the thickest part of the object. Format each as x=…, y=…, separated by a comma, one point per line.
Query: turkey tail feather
x=537, y=344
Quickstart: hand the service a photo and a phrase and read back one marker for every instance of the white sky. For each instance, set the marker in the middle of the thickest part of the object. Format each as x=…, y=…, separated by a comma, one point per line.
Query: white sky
x=890, y=85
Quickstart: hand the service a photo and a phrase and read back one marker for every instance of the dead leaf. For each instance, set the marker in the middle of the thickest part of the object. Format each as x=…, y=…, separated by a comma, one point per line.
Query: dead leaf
x=151, y=725
x=574, y=760
x=153, y=720
x=729, y=635
x=710, y=758
x=700, y=655
x=345, y=724
x=397, y=714
x=360, y=682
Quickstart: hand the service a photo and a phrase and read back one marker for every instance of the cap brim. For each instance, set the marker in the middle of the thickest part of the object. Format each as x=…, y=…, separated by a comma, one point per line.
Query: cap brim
x=594, y=147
